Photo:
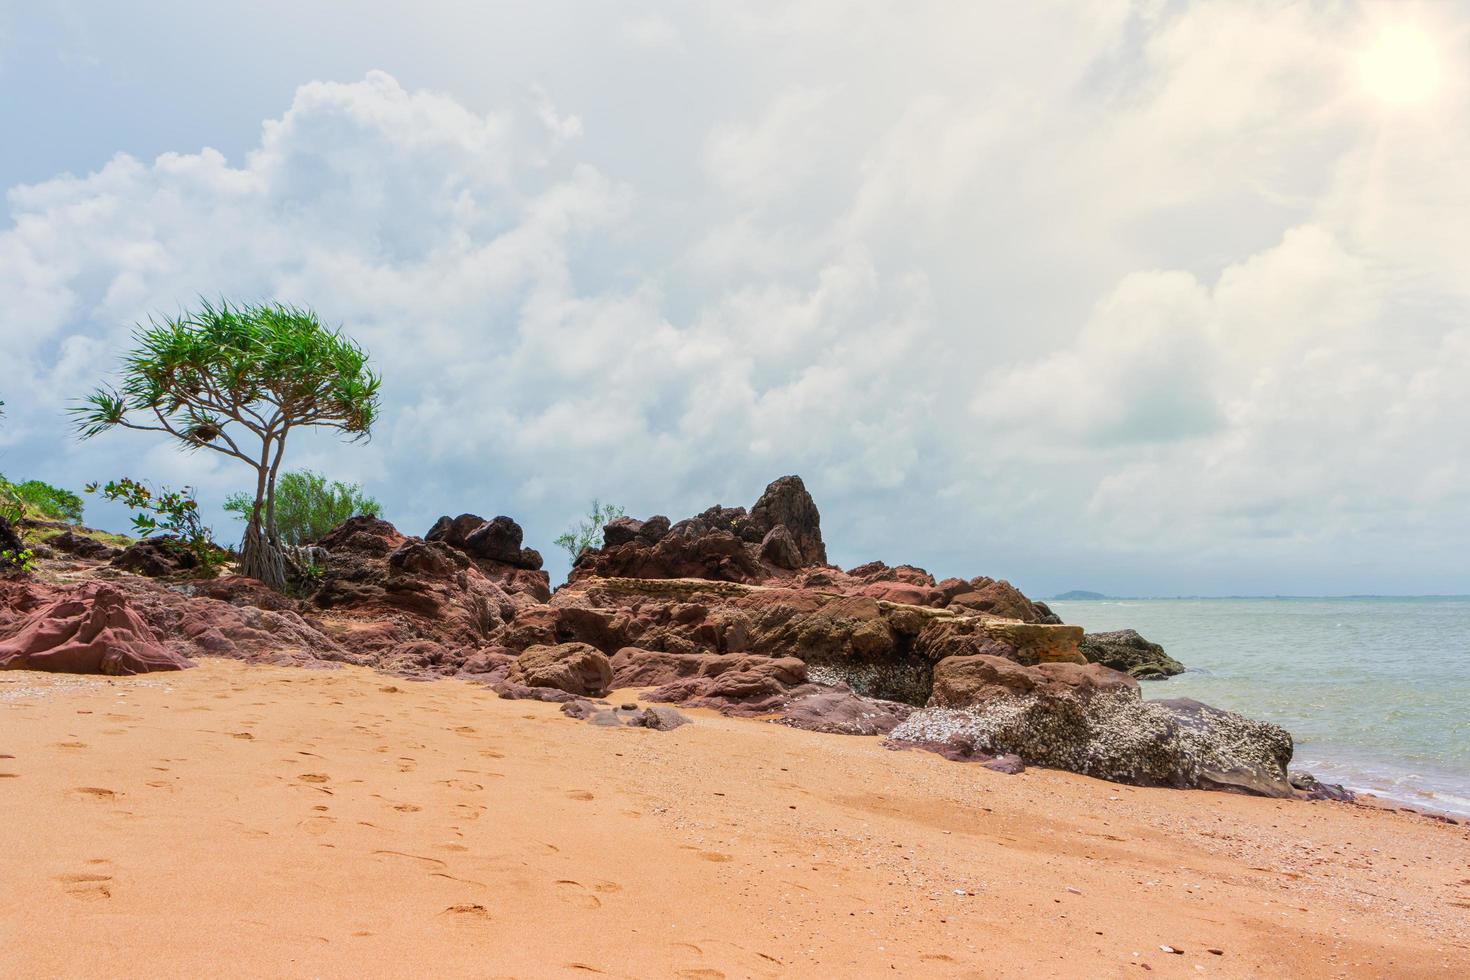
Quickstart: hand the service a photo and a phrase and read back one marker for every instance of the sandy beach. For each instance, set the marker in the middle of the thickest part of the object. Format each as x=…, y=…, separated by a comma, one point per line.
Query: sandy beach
x=248, y=820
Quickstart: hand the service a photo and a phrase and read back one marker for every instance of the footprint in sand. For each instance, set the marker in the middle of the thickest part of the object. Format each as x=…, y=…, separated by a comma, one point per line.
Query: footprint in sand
x=464, y=730
x=474, y=911
x=575, y=893
x=407, y=807
x=87, y=886
x=9, y=775
x=700, y=973
x=96, y=792
x=70, y=745
x=715, y=856
x=463, y=785
x=492, y=754
x=313, y=777
x=580, y=794
x=426, y=861
x=317, y=825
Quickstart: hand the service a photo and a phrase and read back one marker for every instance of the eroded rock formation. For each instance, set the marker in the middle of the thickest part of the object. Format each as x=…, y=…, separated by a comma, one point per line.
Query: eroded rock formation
x=731, y=610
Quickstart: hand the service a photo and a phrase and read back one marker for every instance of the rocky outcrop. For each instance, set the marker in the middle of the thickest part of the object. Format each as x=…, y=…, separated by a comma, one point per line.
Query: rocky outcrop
x=156, y=557
x=1091, y=719
x=575, y=668
x=497, y=540
x=69, y=542
x=91, y=629
x=786, y=503
x=780, y=534
x=1125, y=650
x=733, y=684
x=382, y=590
x=997, y=598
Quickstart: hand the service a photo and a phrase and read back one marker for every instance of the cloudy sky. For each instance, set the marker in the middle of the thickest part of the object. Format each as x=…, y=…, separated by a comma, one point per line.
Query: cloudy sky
x=1149, y=298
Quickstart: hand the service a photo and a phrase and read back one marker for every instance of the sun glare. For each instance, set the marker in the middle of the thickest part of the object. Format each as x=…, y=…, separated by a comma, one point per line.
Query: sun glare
x=1401, y=67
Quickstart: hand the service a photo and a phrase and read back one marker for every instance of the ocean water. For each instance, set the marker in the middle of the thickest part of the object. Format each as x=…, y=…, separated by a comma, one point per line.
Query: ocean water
x=1376, y=691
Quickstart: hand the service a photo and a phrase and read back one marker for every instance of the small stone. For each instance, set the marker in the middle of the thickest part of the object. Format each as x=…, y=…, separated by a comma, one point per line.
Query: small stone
x=1074, y=891
x=628, y=706
x=1171, y=949
x=1215, y=952
x=960, y=891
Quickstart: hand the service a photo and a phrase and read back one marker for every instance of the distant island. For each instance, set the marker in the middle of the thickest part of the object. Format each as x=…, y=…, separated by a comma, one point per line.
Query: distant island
x=1076, y=594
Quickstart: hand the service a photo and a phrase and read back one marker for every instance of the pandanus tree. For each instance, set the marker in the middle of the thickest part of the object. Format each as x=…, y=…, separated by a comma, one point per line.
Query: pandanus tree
x=238, y=379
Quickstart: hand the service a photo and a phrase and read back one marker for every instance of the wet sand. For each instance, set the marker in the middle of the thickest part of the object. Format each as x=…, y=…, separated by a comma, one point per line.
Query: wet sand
x=246, y=821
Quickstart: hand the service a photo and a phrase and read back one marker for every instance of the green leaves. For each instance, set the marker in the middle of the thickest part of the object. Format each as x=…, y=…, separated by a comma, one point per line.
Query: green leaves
x=307, y=505
x=264, y=367
x=587, y=534
x=173, y=512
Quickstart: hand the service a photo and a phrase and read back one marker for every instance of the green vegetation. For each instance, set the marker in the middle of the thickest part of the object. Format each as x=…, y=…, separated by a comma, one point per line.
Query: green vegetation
x=588, y=533
x=14, y=560
x=238, y=379
x=51, y=502
x=307, y=506
x=171, y=512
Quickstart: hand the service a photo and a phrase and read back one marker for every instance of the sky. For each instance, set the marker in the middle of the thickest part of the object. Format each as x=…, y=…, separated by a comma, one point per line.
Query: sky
x=1145, y=298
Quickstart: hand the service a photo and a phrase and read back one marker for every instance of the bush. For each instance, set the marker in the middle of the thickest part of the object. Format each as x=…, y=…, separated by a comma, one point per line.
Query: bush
x=174, y=513
x=53, y=502
x=588, y=533
x=307, y=506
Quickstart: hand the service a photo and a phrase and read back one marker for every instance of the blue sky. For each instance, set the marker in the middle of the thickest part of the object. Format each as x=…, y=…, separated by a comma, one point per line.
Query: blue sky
x=1146, y=298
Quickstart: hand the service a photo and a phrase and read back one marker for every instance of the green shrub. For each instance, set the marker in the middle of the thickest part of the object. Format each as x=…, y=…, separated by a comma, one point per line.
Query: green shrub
x=308, y=506
x=588, y=533
x=12, y=508
x=53, y=502
x=20, y=560
x=171, y=512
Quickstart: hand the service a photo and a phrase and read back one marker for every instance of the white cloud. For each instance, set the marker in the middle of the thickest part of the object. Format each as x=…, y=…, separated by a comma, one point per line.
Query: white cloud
x=1014, y=289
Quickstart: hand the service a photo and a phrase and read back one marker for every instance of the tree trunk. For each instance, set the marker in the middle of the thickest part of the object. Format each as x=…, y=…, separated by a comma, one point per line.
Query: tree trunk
x=260, y=555
x=262, y=558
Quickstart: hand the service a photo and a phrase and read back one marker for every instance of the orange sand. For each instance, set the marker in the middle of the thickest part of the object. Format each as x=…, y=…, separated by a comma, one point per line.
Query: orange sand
x=238, y=820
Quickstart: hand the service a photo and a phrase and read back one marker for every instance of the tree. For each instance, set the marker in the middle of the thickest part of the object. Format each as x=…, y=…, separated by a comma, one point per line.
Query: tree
x=307, y=506
x=586, y=534
x=238, y=379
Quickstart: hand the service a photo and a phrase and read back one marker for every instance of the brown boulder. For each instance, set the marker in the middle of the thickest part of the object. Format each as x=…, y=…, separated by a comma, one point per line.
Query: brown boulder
x=70, y=542
x=732, y=683
x=960, y=682
x=779, y=548
x=90, y=630
x=840, y=711
x=572, y=667
x=997, y=598
x=156, y=557
x=786, y=502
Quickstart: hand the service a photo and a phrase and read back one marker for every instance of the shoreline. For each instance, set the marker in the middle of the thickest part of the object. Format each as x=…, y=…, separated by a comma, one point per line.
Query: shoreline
x=1369, y=688
x=347, y=822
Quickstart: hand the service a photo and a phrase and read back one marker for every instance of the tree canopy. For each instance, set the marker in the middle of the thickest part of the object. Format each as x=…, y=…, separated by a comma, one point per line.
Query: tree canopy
x=237, y=378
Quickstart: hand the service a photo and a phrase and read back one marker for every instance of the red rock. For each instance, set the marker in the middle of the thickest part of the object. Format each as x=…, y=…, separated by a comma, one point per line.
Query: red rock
x=960, y=682
x=905, y=592
x=575, y=668
x=997, y=598
x=89, y=630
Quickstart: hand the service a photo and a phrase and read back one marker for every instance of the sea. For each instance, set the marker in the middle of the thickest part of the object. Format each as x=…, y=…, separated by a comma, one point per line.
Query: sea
x=1375, y=690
